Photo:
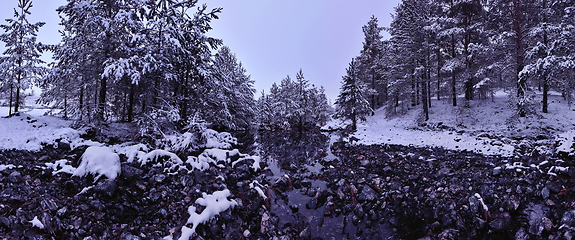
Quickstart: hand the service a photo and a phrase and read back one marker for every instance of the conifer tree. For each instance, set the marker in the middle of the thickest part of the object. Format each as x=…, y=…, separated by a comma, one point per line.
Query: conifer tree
x=21, y=63
x=351, y=103
x=232, y=103
x=369, y=68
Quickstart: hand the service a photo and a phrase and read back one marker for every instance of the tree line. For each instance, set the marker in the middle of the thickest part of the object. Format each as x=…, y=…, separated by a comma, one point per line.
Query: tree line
x=132, y=61
x=148, y=62
x=452, y=49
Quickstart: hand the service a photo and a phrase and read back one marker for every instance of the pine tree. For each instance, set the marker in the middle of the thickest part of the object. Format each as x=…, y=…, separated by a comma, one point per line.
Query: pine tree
x=126, y=60
x=21, y=64
x=370, y=70
x=351, y=103
x=232, y=103
x=509, y=21
x=293, y=105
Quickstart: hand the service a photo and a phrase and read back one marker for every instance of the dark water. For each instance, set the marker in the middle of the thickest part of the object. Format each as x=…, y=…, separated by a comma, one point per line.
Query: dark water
x=302, y=157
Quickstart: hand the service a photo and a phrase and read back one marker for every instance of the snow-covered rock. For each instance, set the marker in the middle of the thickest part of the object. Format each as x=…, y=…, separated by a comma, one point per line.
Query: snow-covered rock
x=100, y=161
x=214, y=204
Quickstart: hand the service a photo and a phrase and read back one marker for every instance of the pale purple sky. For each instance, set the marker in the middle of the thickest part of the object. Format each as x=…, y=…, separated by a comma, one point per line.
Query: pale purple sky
x=272, y=38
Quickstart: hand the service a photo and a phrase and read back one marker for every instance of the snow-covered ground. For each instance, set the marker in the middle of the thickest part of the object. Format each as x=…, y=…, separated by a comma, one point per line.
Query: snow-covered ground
x=487, y=126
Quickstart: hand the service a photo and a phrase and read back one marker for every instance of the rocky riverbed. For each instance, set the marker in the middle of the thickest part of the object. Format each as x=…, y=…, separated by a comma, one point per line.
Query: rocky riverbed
x=308, y=190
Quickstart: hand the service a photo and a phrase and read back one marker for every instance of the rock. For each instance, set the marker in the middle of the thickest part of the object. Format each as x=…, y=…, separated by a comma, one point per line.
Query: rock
x=448, y=234
x=15, y=177
x=496, y=171
x=5, y=222
x=64, y=146
x=130, y=173
x=62, y=211
x=247, y=233
x=129, y=236
x=501, y=223
x=294, y=208
x=568, y=218
x=367, y=194
x=312, y=192
x=159, y=178
x=96, y=205
x=545, y=193
x=312, y=204
x=106, y=187
x=266, y=224
x=521, y=235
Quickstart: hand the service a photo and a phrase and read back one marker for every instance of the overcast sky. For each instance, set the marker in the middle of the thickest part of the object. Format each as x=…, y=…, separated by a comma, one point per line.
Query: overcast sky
x=272, y=38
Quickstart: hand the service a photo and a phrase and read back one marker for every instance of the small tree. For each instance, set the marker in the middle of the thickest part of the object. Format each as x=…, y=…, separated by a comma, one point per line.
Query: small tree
x=351, y=103
x=21, y=61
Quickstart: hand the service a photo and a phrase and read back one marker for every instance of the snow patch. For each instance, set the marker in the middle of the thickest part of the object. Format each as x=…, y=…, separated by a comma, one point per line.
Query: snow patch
x=258, y=187
x=100, y=161
x=36, y=223
x=61, y=166
x=566, y=141
x=132, y=152
x=214, y=139
x=214, y=204
x=4, y=167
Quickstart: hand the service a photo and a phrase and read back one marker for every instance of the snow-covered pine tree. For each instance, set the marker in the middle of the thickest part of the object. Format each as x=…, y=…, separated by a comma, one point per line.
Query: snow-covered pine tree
x=178, y=56
x=563, y=49
x=369, y=69
x=411, y=33
x=232, y=104
x=124, y=59
x=90, y=61
x=21, y=64
x=543, y=58
x=293, y=105
x=351, y=103
x=508, y=24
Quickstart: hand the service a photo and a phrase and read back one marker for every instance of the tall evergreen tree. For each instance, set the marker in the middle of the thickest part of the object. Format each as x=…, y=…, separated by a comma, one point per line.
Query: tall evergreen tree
x=369, y=68
x=232, y=104
x=351, y=103
x=21, y=63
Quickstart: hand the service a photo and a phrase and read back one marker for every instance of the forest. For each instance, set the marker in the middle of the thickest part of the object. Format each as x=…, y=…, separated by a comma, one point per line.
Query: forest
x=148, y=62
x=463, y=50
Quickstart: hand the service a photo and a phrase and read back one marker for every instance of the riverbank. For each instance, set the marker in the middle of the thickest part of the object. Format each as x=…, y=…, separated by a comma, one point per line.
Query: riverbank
x=488, y=127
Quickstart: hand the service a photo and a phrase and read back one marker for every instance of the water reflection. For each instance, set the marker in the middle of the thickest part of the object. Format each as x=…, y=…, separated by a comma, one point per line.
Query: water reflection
x=294, y=149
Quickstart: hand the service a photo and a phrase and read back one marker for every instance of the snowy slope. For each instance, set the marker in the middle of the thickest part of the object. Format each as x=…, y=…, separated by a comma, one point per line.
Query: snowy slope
x=486, y=126
x=30, y=133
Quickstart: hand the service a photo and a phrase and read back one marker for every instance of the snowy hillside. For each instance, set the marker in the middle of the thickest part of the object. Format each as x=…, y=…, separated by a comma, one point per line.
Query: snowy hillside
x=486, y=126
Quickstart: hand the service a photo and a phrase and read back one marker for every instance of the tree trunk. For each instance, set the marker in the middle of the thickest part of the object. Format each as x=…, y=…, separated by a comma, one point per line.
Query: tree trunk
x=521, y=81
x=131, y=103
x=65, y=106
x=11, y=99
x=353, y=122
x=545, y=75
x=424, y=97
x=453, y=80
x=81, y=103
x=102, y=98
x=545, y=95
x=438, y=74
